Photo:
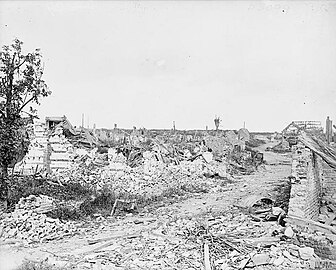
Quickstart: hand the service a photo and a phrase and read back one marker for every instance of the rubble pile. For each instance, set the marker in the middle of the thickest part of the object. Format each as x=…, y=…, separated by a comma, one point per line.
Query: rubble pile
x=151, y=178
x=112, y=169
x=220, y=146
x=29, y=223
x=157, y=168
x=236, y=241
x=221, y=241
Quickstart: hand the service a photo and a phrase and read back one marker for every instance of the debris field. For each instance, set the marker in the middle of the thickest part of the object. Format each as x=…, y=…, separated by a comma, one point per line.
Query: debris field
x=222, y=201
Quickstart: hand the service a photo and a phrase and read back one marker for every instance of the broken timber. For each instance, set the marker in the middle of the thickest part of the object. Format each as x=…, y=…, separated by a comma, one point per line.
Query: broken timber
x=320, y=148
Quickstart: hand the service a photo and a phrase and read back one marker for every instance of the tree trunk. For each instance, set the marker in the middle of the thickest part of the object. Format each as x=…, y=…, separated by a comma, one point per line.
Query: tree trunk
x=3, y=171
x=3, y=187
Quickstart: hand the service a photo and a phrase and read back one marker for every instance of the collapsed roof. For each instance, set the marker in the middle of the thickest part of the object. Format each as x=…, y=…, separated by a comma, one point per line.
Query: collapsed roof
x=81, y=135
x=318, y=146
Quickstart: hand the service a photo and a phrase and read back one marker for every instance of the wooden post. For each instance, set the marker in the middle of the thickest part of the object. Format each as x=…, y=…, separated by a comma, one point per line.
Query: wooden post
x=207, y=264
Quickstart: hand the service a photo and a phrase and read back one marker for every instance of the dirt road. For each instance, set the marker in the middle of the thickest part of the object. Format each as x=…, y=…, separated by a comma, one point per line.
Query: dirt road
x=158, y=240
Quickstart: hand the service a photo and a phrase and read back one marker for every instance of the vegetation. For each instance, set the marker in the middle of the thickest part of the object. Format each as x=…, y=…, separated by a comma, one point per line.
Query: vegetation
x=217, y=121
x=31, y=265
x=21, y=85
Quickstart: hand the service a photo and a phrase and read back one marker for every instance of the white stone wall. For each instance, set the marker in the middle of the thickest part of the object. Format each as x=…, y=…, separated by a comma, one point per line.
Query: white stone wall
x=54, y=152
x=36, y=156
x=61, y=151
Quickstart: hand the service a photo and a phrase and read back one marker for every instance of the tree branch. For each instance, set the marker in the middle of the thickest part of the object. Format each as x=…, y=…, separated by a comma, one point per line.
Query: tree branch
x=24, y=104
x=9, y=94
x=3, y=82
x=25, y=97
x=13, y=59
x=3, y=114
x=18, y=66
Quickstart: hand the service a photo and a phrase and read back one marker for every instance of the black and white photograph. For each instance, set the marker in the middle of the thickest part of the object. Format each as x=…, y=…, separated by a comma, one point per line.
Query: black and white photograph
x=167, y=135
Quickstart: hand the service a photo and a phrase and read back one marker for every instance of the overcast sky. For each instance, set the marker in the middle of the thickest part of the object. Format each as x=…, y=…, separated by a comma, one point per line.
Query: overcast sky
x=147, y=64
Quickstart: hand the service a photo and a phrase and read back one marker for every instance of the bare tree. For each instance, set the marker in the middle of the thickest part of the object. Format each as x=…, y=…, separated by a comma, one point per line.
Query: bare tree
x=217, y=121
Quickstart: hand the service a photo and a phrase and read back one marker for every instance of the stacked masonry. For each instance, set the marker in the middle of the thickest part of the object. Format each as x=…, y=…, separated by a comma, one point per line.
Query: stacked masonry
x=313, y=191
x=61, y=151
x=301, y=170
x=306, y=185
x=36, y=158
x=329, y=180
x=311, y=179
x=46, y=152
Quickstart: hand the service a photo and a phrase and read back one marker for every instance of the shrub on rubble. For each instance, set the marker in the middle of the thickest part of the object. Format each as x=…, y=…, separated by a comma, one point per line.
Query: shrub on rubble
x=23, y=186
x=65, y=211
x=31, y=265
x=101, y=202
x=92, y=203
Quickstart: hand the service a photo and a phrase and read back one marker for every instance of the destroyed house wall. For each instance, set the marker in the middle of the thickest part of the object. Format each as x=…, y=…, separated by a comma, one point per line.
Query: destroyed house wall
x=46, y=152
x=328, y=180
x=110, y=135
x=313, y=193
x=312, y=179
x=120, y=136
x=310, y=182
x=61, y=152
x=306, y=187
x=35, y=159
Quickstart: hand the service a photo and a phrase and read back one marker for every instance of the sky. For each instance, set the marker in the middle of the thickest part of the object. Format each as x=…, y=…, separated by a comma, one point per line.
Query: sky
x=147, y=64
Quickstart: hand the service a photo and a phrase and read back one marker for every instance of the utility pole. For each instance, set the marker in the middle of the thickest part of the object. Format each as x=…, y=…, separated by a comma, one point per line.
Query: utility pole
x=82, y=120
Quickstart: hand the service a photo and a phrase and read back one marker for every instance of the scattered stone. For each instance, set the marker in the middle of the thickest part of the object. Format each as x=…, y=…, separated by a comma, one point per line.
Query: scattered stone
x=31, y=226
x=260, y=259
x=306, y=253
x=277, y=211
x=225, y=266
x=243, y=263
x=288, y=256
x=289, y=232
x=208, y=157
x=279, y=261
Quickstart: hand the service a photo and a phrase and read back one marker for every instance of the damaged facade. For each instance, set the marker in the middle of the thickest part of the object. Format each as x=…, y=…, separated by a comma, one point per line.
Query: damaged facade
x=313, y=193
x=56, y=144
x=53, y=145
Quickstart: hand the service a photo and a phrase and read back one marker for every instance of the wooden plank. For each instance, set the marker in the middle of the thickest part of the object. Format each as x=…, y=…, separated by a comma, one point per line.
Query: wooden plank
x=207, y=264
x=95, y=241
x=330, y=219
x=299, y=220
x=320, y=148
